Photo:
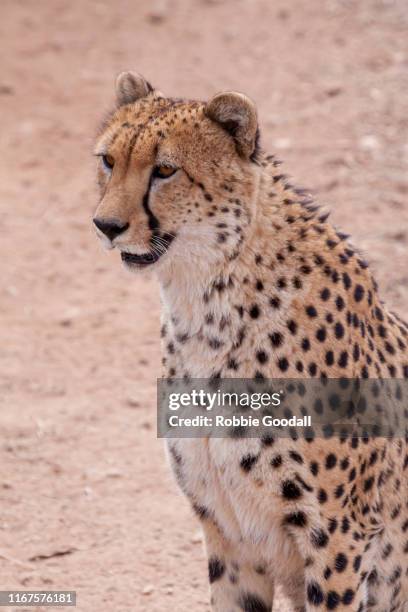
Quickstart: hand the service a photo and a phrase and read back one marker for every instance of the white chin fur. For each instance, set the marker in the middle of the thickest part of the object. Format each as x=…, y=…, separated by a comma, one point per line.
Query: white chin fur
x=133, y=249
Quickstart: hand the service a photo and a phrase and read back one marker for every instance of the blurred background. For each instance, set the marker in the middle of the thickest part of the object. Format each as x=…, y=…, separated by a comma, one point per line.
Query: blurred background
x=86, y=499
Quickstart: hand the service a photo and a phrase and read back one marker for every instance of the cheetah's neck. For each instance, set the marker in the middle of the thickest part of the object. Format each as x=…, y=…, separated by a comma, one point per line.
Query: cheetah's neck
x=186, y=292
x=288, y=248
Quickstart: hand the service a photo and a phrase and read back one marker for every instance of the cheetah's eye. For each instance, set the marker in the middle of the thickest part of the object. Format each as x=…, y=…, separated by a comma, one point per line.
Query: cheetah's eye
x=163, y=172
x=108, y=161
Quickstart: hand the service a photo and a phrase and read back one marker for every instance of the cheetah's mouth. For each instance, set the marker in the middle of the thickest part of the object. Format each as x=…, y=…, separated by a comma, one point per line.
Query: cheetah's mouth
x=159, y=243
x=141, y=260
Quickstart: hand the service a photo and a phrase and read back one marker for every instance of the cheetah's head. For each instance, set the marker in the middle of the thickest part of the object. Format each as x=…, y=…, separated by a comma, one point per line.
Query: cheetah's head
x=177, y=178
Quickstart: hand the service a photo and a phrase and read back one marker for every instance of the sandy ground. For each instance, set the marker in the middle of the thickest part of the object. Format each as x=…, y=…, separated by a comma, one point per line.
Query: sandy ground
x=86, y=500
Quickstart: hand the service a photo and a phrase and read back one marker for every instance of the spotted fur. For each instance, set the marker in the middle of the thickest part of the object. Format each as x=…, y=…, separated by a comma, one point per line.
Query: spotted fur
x=255, y=282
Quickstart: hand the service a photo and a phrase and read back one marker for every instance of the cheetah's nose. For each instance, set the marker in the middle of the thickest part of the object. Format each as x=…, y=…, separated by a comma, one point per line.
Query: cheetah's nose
x=111, y=227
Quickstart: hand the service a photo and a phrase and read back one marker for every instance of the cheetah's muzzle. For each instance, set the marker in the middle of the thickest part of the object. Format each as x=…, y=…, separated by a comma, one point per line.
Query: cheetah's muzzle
x=160, y=243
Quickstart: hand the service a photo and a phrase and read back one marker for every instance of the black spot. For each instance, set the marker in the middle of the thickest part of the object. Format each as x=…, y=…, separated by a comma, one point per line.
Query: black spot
x=382, y=332
x=292, y=326
x=312, y=369
x=345, y=463
x=358, y=293
x=311, y=311
x=283, y=364
x=275, y=302
x=216, y=569
x=378, y=313
x=314, y=468
x=314, y=594
x=328, y=430
x=343, y=359
x=254, y=311
x=335, y=276
x=303, y=483
x=322, y=496
x=325, y=294
x=357, y=563
x=331, y=461
x=387, y=551
x=346, y=280
x=262, y=357
x=340, y=563
x=248, y=461
x=296, y=457
x=232, y=364
x=368, y=484
x=339, y=303
x=306, y=344
x=329, y=358
x=298, y=519
x=327, y=573
x=389, y=348
x=339, y=330
x=319, y=538
x=276, y=461
x=333, y=600
x=276, y=338
x=348, y=597
x=252, y=603
x=290, y=490
x=339, y=491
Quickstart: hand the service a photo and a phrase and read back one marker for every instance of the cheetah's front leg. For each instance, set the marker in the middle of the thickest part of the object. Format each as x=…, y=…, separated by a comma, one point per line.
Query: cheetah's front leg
x=236, y=585
x=335, y=580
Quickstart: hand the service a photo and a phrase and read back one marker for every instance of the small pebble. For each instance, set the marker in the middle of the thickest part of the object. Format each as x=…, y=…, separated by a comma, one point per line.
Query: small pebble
x=132, y=402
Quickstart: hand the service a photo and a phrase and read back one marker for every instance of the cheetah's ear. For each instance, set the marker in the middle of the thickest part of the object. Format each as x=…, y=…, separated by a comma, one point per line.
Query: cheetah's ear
x=237, y=115
x=131, y=86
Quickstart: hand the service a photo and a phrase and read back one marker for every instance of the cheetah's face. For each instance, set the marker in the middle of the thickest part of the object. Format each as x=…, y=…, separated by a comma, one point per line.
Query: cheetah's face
x=176, y=178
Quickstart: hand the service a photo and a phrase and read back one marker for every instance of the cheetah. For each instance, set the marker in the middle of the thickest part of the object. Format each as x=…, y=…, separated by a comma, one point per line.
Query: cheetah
x=256, y=283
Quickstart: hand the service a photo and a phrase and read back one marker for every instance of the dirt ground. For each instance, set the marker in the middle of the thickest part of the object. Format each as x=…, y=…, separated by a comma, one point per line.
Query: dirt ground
x=86, y=500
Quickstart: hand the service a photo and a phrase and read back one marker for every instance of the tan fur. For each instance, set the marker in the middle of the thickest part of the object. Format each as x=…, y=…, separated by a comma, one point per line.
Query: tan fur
x=249, y=256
